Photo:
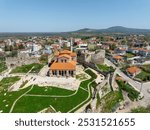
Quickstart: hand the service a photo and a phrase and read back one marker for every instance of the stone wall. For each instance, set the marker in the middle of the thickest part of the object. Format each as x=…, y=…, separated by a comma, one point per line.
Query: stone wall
x=21, y=60
x=99, y=57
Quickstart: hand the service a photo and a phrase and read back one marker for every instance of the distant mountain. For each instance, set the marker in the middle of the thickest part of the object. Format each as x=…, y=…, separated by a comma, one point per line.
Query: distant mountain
x=115, y=29
x=84, y=31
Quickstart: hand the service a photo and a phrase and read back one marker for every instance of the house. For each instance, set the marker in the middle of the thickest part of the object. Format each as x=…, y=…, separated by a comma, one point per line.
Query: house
x=82, y=47
x=47, y=50
x=133, y=71
x=135, y=50
x=64, y=64
x=120, y=51
x=105, y=47
x=144, y=52
x=1, y=50
x=118, y=58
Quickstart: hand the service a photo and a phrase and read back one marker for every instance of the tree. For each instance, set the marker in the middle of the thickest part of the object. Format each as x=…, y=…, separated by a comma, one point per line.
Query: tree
x=112, y=47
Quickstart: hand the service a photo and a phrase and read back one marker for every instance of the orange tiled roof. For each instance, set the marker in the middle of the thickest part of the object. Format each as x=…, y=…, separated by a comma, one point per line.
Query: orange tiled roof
x=56, y=53
x=65, y=52
x=119, y=78
x=64, y=55
x=133, y=69
x=146, y=50
x=63, y=66
x=122, y=49
x=73, y=54
x=136, y=48
x=118, y=57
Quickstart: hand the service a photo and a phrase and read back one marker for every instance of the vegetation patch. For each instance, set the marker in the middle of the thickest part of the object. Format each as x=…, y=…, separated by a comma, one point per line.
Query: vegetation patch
x=143, y=76
x=141, y=110
x=63, y=104
x=24, y=83
x=50, y=90
x=2, y=66
x=7, y=98
x=81, y=76
x=33, y=68
x=7, y=82
x=93, y=84
x=109, y=102
x=40, y=98
x=132, y=93
x=129, y=55
x=105, y=68
x=84, y=84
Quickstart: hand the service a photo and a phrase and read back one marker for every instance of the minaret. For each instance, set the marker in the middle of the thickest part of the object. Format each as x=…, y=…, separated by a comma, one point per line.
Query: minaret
x=71, y=45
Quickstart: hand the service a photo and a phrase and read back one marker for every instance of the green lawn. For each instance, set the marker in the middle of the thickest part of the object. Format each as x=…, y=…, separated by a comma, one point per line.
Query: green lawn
x=36, y=104
x=104, y=68
x=7, y=82
x=32, y=103
x=94, y=84
x=85, y=83
x=26, y=68
x=109, y=101
x=50, y=90
x=2, y=66
x=7, y=98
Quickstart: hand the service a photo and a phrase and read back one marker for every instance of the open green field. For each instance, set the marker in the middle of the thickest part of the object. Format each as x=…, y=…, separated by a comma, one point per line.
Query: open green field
x=35, y=68
x=7, y=98
x=50, y=90
x=7, y=82
x=34, y=98
x=2, y=66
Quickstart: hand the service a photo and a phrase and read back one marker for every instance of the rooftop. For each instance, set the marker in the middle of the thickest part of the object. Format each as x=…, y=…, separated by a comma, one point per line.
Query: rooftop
x=133, y=69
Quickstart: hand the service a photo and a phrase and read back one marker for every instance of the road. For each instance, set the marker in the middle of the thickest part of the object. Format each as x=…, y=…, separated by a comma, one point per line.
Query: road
x=137, y=85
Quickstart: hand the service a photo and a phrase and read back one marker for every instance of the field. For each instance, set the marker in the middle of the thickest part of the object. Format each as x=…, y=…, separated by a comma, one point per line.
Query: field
x=7, y=98
x=34, y=98
x=33, y=68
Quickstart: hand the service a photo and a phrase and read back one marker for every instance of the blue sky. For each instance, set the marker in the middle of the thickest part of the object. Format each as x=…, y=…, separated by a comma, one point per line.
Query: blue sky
x=69, y=15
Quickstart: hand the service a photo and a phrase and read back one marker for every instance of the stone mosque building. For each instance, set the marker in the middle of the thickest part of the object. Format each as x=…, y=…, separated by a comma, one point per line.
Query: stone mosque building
x=64, y=64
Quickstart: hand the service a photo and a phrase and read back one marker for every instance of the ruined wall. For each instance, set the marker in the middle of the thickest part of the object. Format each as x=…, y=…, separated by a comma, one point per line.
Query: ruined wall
x=99, y=57
x=22, y=59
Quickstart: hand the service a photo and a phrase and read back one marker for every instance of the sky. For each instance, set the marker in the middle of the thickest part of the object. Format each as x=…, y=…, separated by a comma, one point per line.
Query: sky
x=70, y=15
